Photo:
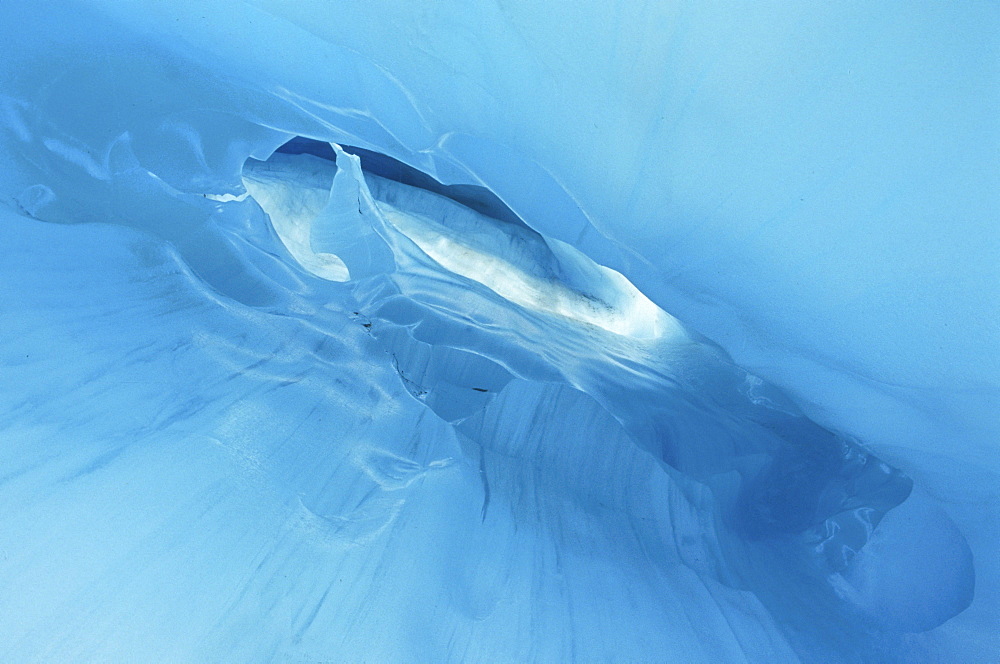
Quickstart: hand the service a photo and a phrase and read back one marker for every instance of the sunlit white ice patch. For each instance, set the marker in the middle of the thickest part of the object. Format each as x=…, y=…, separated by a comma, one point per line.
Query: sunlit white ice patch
x=512, y=260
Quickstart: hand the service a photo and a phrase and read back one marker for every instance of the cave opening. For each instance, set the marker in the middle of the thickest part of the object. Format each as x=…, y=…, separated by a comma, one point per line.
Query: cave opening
x=465, y=229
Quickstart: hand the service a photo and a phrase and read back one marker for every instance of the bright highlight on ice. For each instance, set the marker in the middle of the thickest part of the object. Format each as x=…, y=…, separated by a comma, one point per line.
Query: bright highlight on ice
x=513, y=262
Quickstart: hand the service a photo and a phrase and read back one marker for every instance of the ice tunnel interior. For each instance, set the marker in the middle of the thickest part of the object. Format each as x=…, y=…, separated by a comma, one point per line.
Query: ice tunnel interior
x=547, y=392
x=460, y=337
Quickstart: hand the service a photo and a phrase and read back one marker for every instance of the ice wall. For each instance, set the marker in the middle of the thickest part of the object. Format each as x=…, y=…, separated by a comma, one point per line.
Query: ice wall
x=812, y=189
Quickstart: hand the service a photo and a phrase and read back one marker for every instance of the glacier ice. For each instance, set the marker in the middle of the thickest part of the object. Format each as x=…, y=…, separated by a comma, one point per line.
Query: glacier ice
x=467, y=331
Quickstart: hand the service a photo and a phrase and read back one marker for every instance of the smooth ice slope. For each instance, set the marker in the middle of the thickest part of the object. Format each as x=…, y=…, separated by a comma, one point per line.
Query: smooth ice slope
x=234, y=436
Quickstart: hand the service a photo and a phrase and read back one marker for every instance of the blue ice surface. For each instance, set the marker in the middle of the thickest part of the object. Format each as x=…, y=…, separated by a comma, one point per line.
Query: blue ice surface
x=467, y=331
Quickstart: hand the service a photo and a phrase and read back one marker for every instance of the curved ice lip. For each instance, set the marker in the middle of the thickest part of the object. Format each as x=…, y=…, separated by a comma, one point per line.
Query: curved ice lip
x=292, y=205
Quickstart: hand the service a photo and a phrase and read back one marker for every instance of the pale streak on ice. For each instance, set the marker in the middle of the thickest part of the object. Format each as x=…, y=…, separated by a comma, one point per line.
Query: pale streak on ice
x=294, y=189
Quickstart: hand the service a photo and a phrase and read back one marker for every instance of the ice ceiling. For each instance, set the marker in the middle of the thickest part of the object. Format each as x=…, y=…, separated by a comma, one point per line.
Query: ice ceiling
x=475, y=331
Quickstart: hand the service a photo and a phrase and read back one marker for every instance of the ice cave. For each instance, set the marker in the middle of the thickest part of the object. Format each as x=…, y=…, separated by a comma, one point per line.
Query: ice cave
x=499, y=331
